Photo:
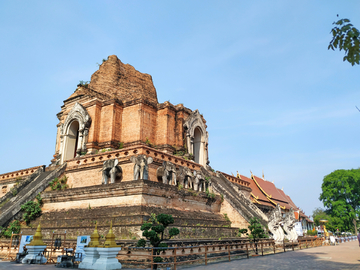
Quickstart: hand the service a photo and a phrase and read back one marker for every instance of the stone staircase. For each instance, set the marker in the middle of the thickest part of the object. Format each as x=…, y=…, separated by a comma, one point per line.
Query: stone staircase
x=237, y=200
x=28, y=190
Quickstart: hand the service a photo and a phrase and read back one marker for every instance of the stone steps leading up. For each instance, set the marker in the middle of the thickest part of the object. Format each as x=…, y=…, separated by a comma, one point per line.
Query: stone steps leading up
x=12, y=208
x=237, y=200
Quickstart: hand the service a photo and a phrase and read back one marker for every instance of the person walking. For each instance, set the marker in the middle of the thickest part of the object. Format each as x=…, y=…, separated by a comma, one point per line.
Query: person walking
x=358, y=236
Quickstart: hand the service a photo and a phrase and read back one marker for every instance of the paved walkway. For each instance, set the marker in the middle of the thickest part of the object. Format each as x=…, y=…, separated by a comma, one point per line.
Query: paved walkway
x=343, y=256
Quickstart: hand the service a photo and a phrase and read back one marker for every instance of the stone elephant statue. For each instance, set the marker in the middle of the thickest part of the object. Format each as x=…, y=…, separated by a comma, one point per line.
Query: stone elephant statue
x=111, y=169
x=185, y=177
x=141, y=168
x=167, y=173
x=199, y=181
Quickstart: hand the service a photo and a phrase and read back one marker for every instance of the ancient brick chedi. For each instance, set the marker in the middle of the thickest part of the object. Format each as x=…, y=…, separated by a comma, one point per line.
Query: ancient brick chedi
x=120, y=107
x=121, y=155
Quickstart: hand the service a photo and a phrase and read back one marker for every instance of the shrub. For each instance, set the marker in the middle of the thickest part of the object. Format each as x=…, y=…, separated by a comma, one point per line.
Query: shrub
x=256, y=232
x=311, y=232
x=154, y=232
x=59, y=184
x=210, y=194
x=14, y=227
x=31, y=211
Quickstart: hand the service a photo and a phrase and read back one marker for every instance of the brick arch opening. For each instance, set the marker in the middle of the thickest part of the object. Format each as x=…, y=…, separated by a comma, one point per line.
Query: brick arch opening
x=71, y=140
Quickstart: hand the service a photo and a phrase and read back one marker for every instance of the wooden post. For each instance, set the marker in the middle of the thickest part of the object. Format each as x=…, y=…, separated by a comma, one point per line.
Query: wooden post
x=247, y=251
x=274, y=247
x=175, y=259
x=152, y=258
x=262, y=248
x=292, y=244
x=228, y=246
x=284, y=245
x=206, y=247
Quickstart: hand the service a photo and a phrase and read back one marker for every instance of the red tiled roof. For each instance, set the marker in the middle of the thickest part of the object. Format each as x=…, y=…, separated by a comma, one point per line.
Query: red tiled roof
x=271, y=192
x=256, y=193
x=266, y=193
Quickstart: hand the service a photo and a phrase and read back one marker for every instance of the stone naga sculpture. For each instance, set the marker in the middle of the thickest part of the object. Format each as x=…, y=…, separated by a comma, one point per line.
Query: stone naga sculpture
x=167, y=173
x=185, y=177
x=289, y=226
x=111, y=169
x=141, y=168
x=274, y=225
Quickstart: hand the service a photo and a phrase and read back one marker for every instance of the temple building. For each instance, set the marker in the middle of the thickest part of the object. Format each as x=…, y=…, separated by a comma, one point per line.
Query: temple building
x=121, y=155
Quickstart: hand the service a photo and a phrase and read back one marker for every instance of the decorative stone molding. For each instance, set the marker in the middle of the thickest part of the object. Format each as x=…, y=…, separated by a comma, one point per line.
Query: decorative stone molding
x=193, y=122
x=77, y=113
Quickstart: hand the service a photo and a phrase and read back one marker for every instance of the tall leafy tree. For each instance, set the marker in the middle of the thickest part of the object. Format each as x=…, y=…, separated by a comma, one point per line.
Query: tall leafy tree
x=341, y=197
x=346, y=37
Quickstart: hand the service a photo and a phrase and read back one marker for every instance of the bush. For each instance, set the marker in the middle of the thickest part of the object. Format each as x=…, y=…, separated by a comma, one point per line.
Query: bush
x=32, y=211
x=14, y=191
x=59, y=184
x=311, y=232
x=14, y=227
x=154, y=232
x=256, y=232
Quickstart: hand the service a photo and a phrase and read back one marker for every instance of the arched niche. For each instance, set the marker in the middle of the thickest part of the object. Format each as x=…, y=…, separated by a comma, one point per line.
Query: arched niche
x=196, y=138
x=71, y=140
x=73, y=133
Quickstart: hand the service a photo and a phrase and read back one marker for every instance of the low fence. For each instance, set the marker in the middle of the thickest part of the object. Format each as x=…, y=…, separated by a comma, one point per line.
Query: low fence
x=178, y=255
x=149, y=257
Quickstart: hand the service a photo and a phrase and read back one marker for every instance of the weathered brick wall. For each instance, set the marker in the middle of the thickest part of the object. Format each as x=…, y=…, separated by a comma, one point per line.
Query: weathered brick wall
x=130, y=127
x=123, y=107
x=123, y=81
x=236, y=219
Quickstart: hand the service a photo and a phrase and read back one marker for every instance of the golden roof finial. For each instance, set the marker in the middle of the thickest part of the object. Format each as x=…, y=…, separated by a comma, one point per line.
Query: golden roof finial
x=263, y=174
x=110, y=238
x=37, y=239
x=238, y=175
x=94, y=238
x=251, y=174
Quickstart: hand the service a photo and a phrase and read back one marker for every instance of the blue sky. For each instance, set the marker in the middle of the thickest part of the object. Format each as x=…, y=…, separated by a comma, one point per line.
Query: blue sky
x=275, y=99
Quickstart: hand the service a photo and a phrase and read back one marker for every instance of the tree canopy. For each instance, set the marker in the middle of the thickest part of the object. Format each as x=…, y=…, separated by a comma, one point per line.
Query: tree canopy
x=341, y=197
x=346, y=37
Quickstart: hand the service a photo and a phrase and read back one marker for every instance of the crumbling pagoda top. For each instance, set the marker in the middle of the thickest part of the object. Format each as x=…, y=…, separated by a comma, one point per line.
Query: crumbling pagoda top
x=123, y=81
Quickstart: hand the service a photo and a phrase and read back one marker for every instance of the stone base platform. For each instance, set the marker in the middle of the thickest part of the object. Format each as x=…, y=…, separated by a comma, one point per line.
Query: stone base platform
x=129, y=205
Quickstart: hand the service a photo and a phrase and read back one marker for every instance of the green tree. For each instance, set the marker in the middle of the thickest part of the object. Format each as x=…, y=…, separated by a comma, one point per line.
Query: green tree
x=333, y=223
x=341, y=197
x=256, y=232
x=346, y=37
x=154, y=232
x=14, y=227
